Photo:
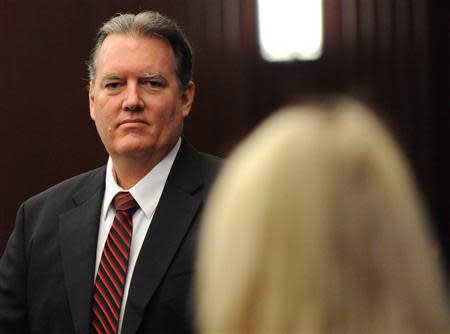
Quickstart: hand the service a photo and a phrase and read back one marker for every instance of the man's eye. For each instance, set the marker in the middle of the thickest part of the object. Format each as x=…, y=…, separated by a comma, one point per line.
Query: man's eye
x=153, y=83
x=112, y=85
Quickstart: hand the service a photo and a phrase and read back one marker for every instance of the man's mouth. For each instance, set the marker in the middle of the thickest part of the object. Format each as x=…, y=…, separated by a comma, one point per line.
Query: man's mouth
x=132, y=121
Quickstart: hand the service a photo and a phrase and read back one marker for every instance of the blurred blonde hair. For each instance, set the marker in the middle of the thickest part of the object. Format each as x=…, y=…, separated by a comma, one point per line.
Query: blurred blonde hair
x=315, y=226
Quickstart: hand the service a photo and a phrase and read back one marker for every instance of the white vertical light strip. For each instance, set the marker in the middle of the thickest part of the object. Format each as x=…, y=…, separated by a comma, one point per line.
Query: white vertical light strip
x=290, y=29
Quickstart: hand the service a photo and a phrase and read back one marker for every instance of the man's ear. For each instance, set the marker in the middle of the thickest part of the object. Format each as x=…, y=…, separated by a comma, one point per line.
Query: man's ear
x=91, y=100
x=187, y=98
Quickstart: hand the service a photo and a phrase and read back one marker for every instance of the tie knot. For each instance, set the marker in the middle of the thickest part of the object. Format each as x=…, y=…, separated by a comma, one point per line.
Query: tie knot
x=124, y=201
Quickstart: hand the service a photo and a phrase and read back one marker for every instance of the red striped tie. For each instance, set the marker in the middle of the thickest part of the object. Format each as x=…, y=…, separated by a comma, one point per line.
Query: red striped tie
x=112, y=271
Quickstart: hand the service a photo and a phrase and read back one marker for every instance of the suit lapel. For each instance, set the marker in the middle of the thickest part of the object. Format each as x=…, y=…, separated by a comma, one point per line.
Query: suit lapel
x=78, y=230
x=173, y=216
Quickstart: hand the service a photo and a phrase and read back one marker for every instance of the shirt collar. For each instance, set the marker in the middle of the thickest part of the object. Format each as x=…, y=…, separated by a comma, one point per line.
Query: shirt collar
x=148, y=190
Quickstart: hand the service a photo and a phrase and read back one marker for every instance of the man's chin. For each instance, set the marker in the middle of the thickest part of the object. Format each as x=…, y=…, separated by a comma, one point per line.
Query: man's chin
x=135, y=151
x=140, y=150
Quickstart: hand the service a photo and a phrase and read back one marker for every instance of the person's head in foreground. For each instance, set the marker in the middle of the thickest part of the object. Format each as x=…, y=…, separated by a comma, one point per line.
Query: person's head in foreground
x=316, y=226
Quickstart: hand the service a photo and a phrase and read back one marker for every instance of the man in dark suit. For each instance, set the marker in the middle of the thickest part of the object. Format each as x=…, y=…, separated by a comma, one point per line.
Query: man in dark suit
x=112, y=250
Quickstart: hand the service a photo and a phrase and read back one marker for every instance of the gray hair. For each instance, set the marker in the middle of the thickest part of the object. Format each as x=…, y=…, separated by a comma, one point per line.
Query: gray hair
x=151, y=24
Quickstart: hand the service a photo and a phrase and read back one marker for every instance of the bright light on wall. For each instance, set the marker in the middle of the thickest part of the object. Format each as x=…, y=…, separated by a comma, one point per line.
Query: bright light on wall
x=290, y=29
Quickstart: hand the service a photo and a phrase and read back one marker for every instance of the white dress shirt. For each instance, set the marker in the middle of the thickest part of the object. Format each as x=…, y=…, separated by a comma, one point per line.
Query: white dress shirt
x=147, y=193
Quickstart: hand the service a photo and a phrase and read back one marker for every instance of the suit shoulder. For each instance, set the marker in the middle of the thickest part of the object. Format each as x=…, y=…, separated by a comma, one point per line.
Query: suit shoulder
x=211, y=165
x=69, y=186
x=212, y=161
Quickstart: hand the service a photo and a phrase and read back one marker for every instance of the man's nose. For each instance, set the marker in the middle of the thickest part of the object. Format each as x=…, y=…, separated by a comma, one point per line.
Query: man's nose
x=133, y=100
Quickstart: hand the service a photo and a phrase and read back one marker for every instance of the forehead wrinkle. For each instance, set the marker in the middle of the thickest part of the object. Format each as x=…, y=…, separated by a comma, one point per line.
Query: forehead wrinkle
x=117, y=41
x=108, y=61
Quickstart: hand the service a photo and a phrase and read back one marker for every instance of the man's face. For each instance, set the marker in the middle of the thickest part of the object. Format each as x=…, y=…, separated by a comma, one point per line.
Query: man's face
x=136, y=101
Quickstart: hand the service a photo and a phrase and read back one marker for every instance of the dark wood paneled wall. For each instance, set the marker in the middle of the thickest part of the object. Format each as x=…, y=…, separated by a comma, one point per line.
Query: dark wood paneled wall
x=395, y=52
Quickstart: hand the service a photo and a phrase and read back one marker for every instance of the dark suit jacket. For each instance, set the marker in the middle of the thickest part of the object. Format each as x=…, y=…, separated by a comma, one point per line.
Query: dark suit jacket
x=47, y=269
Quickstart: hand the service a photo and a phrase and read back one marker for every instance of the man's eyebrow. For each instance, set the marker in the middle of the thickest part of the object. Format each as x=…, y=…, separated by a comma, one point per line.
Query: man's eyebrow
x=143, y=76
x=152, y=75
x=111, y=76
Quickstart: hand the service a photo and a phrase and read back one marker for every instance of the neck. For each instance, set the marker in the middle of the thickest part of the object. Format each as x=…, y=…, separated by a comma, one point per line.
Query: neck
x=129, y=171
